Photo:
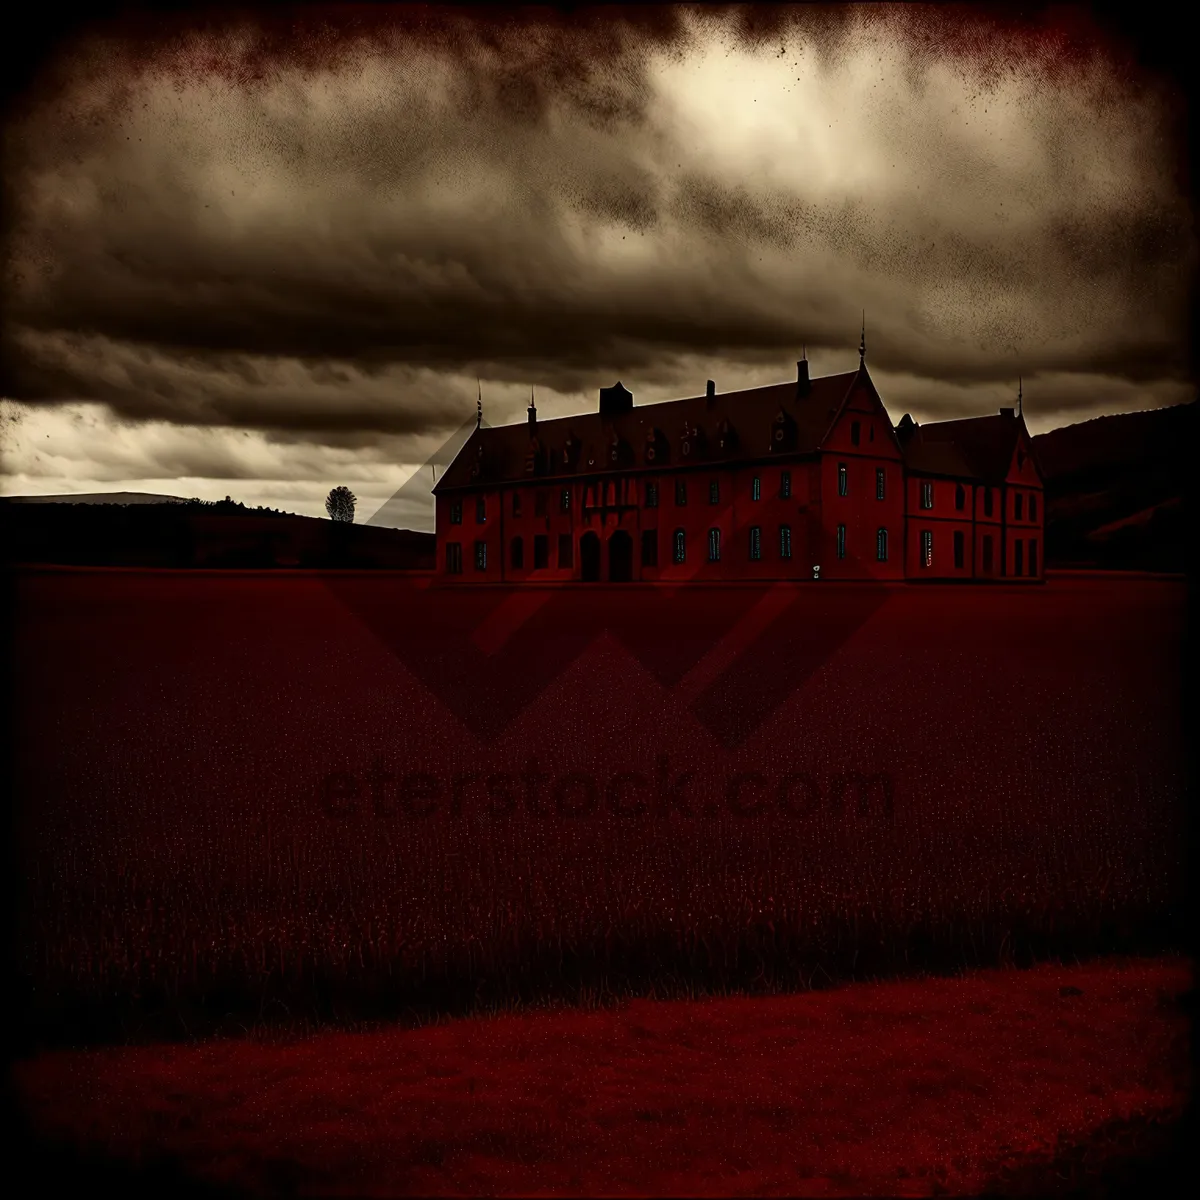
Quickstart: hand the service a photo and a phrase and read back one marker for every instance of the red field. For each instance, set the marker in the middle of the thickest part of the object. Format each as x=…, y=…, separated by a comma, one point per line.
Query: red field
x=1006, y=1082
x=287, y=796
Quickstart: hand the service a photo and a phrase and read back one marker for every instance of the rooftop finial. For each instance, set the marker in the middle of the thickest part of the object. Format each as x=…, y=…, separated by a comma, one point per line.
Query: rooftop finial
x=862, y=341
x=479, y=406
x=1018, y=395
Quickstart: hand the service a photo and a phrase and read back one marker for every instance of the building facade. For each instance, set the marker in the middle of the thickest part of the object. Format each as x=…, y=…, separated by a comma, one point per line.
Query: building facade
x=797, y=481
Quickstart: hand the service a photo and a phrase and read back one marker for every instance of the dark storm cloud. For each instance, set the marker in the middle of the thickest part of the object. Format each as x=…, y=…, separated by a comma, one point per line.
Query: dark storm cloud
x=329, y=233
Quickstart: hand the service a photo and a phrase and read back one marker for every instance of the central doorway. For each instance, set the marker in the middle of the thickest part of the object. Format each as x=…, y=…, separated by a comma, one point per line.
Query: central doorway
x=589, y=557
x=620, y=557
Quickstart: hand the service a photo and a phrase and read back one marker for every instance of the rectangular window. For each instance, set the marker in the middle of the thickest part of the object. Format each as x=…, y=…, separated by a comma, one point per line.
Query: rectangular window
x=987, y=502
x=539, y=503
x=680, y=492
x=480, y=510
x=927, y=547
x=841, y=541
x=1033, y=508
x=1033, y=556
x=541, y=552
x=649, y=547
x=880, y=483
x=481, y=556
x=881, y=545
x=456, y=514
x=926, y=494
x=1018, y=506
x=454, y=558
x=854, y=433
x=785, y=484
x=652, y=495
x=959, y=550
x=714, y=491
x=564, y=500
x=843, y=483
x=679, y=545
x=516, y=509
x=755, y=542
x=987, y=555
x=960, y=497
x=785, y=541
x=714, y=545
x=1018, y=557
x=518, y=553
x=756, y=488
x=566, y=556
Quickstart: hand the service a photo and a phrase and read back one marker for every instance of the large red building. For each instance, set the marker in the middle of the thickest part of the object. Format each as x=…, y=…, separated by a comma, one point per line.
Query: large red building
x=801, y=480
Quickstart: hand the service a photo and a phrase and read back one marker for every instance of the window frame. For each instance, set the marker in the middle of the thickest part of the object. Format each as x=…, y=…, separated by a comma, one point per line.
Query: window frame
x=841, y=541
x=881, y=544
x=480, y=554
x=785, y=542
x=880, y=483
x=714, y=544
x=960, y=550
x=541, y=541
x=679, y=547
x=681, y=491
x=480, y=510
x=456, y=513
x=564, y=500
x=785, y=484
x=927, y=494
x=756, y=488
x=926, y=549
x=650, y=493
x=454, y=558
x=516, y=553
x=843, y=480
x=714, y=491
x=755, y=543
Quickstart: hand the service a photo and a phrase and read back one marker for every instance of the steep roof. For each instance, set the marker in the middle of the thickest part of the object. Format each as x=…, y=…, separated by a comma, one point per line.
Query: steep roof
x=973, y=447
x=727, y=427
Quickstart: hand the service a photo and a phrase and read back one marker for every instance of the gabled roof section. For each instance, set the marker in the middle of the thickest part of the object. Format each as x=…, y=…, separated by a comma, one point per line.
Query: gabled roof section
x=728, y=427
x=979, y=447
x=861, y=377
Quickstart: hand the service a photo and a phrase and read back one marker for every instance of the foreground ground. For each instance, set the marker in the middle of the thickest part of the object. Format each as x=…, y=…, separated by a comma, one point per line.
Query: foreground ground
x=912, y=1088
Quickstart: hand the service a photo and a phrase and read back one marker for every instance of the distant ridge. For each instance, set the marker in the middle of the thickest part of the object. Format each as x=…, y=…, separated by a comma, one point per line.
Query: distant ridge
x=98, y=498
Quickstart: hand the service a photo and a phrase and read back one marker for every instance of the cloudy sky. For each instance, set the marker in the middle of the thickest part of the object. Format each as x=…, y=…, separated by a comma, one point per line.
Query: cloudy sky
x=262, y=261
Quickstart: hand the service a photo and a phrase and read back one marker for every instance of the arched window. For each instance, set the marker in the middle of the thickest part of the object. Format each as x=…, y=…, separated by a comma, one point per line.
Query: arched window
x=960, y=497
x=517, y=554
x=1018, y=506
x=680, y=545
x=785, y=541
x=987, y=502
x=926, y=494
x=714, y=545
x=516, y=504
x=881, y=545
x=843, y=485
x=841, y=541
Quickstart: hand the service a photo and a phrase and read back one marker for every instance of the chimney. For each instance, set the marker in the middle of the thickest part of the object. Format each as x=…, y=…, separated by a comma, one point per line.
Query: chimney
x=1008, y=412
x=711, y=390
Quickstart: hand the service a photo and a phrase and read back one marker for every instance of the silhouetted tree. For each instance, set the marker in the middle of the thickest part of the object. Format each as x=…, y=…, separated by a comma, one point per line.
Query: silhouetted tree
x=339, y=504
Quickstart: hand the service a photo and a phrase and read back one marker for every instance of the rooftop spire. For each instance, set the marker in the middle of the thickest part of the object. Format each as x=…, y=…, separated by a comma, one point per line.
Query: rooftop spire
x=479, y=406
x=1018, y=395
x=862, y=341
